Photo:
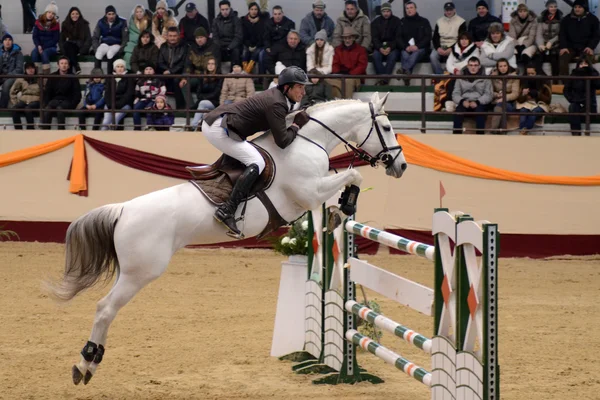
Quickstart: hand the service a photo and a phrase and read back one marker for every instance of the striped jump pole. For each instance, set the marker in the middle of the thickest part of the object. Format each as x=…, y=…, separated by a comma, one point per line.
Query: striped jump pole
x=365, y=313
x=389, y=356
x=391, y=240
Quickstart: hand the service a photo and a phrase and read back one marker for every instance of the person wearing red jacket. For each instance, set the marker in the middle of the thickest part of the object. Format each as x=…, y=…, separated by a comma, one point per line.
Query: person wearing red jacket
x=349, y=58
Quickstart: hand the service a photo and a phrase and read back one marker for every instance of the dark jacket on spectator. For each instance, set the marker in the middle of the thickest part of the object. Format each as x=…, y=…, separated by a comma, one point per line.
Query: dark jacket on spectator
x=209, y=89
x=198, y=56
x=309, y=28
x=117, y=33
x=288, y=56
x=143, y=56
x=76, y=32
x=478, y=26
x=227, y=32
x=14, y=60
x=65, y=88
x=316, y=93
x=124, y=91
x=254, y=33
x=575, y=89
x=417, y=28
x=385, y=30
x=46, y=36
x=350, y=60
x=172, y=58
x=277, y=33
x=187, y=27
x=578, y=33
x=164, y=119
x=548, y=30
x=94, y=95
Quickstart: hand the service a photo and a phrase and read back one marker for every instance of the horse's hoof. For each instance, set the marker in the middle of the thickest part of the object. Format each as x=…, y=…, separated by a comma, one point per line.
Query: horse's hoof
x=88, y=377
x=77, y=375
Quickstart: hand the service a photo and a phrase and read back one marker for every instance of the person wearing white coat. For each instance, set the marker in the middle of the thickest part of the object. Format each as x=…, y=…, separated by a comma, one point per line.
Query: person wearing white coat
x=498, y=45
x=461, y=52
x=320, y=54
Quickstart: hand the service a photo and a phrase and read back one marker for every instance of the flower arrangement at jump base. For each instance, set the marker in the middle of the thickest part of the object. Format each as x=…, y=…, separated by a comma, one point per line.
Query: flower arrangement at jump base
x=295, y=241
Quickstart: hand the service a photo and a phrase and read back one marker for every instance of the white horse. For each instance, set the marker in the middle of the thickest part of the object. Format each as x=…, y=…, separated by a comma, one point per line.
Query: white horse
x=137, y=239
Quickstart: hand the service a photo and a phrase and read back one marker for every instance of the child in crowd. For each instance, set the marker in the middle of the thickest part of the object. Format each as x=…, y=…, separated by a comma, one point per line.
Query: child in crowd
x=146, y=91
x=160, y=121
x=93, y=100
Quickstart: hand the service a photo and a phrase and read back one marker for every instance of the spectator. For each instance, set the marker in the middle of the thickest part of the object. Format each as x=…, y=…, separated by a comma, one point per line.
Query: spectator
x=276, y=31
x=29, y=91
x=512, y=91
x=575, y=93
x=291, y=52
x=353, y=17
x=462, y=51
x=109, y=38
x=318, y=92
x=145, y=53
x=199, y=53
x=29, y=15
x=236, y=89
x=523, y=29
x=319, y=55
x=547, y=36
x=93, y=99
x=147, y=89
x=384, y=30
x=172, y=57
x=46, y=34
x=11, y=63
x=414, y=39
x=209, y=91
x=192, y=21
x=445, y=37
x=123, y=97
x=478, y=26
x=227, y=33
x=160, y=121
x=314, y=22
x=349, y=58
x=140, y=21
x=535, y=98
x=162, y=20
x=253, y=26
x=497, y=46
x=579, y=35
x=75, y=38
x=60, y=94
x=472, y=95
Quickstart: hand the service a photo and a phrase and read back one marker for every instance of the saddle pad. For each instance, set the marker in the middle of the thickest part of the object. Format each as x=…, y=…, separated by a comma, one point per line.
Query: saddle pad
x=216, y=190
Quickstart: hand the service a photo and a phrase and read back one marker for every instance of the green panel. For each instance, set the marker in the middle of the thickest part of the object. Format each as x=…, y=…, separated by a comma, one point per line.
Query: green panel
x=438, y=303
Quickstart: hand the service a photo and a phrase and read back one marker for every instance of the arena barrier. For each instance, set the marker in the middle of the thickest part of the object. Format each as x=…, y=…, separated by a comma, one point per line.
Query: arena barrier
x=462, y=302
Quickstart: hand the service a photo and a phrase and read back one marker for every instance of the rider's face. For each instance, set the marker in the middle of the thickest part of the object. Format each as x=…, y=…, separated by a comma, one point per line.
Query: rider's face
x=296, y=92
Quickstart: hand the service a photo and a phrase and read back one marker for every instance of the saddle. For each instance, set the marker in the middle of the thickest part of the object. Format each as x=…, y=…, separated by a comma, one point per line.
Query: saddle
x=216, y=181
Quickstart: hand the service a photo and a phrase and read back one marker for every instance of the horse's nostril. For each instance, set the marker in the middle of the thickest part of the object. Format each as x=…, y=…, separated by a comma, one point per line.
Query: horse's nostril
x=403, y=166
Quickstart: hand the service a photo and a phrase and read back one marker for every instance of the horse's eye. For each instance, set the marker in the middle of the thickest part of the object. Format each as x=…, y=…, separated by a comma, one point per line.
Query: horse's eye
x=387, y=128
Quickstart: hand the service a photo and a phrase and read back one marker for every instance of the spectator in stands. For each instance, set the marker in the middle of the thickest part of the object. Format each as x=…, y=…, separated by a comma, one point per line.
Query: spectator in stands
x=314, y=22
x=160, y=121
x=199, y=53
x=93, y=99
x=192, y=21
x=414, y=39
x=349, y=58
x=227, y=33
x=579, y=35
x=478, y=26
x=145, y=53
x=472, y=95
x=147, y=89
x=29, y=15
x=140, y=21
x=319, y=55
x=75, y=38
x=291, y=52
x=276, y=33
x=209, y=91
x=162, y=20
x=462, y=51
x=353, y=17
x=547, y=36
x=384, y=30
x=60, y=94
x=109, y=38
x=172, y=57
x=523, y=30
x=445, y=37
x=236, y=89
x=46, y=34
x=253, y=26
x=25, y=94
x=512, y=91
x=498, y=45
x=575, y=93
x=11, y=63
x=535, y=98
x=123, y=96
x=318, y=92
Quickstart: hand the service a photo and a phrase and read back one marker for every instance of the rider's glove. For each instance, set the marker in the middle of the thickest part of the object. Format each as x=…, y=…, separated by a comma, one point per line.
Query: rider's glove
x=301, y=119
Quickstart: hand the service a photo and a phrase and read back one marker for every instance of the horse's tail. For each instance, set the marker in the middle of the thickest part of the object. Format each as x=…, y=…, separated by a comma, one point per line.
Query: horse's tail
x=90, y=252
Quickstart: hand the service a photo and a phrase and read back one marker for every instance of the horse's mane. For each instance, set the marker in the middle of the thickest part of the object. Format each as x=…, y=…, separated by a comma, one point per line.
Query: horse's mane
x=332, y=103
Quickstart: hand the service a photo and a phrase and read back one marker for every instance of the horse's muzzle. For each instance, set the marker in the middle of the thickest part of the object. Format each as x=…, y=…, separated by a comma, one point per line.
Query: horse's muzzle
x=396, y=170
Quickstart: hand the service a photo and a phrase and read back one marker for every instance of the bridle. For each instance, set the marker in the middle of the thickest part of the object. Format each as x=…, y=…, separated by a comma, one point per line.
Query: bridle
x=383, y=157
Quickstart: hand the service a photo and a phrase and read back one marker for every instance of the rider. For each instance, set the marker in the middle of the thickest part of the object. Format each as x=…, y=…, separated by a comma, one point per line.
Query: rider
x=228, y=126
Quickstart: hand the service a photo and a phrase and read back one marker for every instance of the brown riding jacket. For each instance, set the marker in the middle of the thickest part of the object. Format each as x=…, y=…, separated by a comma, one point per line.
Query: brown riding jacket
x=260, y=112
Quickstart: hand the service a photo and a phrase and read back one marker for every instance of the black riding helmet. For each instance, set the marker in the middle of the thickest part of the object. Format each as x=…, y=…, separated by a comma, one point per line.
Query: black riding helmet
x=292, y=75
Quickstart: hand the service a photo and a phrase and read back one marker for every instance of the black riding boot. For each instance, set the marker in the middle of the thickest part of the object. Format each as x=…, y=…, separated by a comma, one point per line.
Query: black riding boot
x=226, y=212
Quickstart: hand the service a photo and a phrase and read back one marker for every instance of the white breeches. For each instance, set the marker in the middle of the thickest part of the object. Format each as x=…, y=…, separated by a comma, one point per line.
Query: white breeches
x=108, y=51
x=242, y=151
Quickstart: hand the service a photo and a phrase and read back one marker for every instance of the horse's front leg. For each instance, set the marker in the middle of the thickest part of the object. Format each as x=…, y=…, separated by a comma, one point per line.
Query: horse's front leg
x=328, y=186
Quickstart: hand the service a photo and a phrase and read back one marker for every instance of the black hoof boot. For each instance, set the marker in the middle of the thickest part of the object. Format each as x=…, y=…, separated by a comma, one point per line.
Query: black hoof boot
x=77, y=375
x=349, y=199
x=87, y=378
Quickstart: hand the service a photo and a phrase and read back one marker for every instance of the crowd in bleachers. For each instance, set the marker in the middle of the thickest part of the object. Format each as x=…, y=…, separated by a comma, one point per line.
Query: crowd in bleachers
x=153, y=41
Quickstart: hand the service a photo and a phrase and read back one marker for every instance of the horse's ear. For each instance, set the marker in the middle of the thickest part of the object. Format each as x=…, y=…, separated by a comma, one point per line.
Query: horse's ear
x=384, y=99
x=375, y=98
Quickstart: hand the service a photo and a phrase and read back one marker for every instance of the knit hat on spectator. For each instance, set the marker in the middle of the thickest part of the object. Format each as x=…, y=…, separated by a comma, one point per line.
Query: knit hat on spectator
x=551, y=2
x=97, y=72
x=319, y=4
x=279, y=67
x=189, y=7
x=482, y=3
x=161, y=96
x=496, y=27
x=110, y=9
x=522, y=7
x=162, y=4
x=200, y=31
x=52, y=7
x=580, y=3
x=386, y=6
x=322, y=34
x=7, y=36
x=118, y=62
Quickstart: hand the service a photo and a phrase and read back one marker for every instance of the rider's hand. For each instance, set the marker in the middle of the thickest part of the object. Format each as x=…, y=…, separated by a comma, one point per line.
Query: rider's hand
x=301, y=119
